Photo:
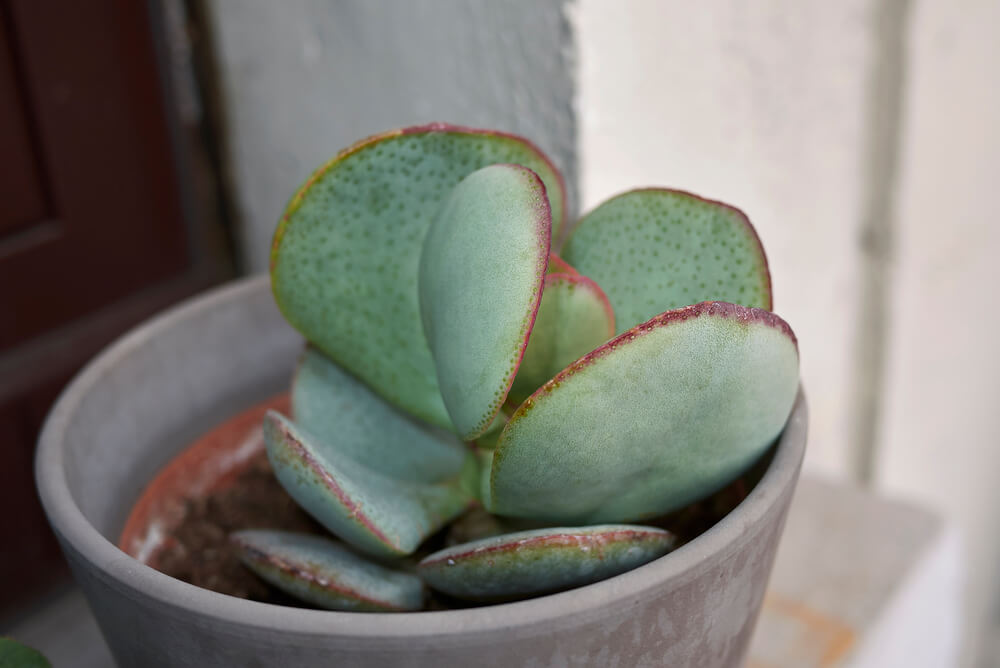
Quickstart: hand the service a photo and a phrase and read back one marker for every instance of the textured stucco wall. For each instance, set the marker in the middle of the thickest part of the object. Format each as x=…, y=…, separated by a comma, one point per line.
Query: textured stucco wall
x=861, y=139
x=940, y=430
x=761, y=105
x=303, y=78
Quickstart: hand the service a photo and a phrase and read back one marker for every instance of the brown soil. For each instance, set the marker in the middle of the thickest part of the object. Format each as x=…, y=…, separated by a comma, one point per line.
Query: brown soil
x=198, y=550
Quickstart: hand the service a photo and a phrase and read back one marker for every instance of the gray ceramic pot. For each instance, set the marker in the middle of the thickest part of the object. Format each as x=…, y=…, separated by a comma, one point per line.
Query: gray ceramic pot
x=133, y=408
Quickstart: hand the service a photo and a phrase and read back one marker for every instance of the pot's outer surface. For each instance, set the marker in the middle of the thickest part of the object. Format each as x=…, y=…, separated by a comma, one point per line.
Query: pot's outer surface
x=133, y=408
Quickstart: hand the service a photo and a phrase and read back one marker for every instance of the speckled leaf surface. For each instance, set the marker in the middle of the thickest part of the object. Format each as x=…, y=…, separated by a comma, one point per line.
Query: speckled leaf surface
x=488, y=439
x=345, y=254
x=324, y=573
x=379, y=515
x=574, y=318
x=342, y=413
x=663, y=414
x=654, y=250
x=541, y=561
x=480, y=283
x=557, y=265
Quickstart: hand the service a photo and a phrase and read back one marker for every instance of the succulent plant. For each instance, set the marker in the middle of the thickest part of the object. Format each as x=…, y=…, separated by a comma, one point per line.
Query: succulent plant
x=469, y=352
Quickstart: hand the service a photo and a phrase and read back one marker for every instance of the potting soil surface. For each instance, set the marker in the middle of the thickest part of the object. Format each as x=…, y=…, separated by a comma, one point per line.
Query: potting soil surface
x=198, y=550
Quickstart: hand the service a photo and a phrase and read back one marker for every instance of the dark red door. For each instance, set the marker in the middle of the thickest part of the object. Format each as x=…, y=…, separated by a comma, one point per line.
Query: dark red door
x=91, y=176
x=92, y=235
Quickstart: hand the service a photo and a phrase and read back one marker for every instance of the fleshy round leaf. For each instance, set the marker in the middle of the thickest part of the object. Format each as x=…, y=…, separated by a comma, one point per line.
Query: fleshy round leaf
x=655, y=250
x=480, y=281
x=342, y=412
x=574, y=318
x=485, y=478
x=660, y=416
x=346, y=252
x=557, y=265
x=319, y=571
x=379, y=515
x=541, y=561
x=489, y=439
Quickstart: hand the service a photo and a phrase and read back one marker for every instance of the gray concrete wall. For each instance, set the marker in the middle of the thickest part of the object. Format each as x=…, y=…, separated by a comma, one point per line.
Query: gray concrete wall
x=303, y=78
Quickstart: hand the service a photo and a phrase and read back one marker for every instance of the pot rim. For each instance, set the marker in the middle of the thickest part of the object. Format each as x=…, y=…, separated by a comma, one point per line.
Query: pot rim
x=122, y=571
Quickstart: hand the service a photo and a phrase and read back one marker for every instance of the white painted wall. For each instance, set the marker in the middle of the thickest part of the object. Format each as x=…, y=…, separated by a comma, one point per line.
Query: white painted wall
x=760, y=105
x=302, y=79
x=940, y=432
x=768, y=105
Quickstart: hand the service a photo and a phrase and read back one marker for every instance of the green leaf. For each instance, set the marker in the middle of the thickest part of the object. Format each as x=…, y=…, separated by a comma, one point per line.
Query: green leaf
x=541, y=561
x=345, y=255
x=377, y=514
x=574, y=318
x=15, y=655
x=557, y=265
x=485, y=477
x=480, y=283
x=488, y=439
x=660, y=416
x=317, y=570
x=342, y=412
x=655, y=250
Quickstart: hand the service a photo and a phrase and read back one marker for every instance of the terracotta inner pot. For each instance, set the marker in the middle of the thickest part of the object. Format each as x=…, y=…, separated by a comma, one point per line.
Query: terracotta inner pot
x=208, y=466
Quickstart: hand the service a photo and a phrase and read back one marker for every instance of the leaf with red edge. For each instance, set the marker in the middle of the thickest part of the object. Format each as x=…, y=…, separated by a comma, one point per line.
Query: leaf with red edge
x=557, y=265
x=662, y=415
x=656, y=249
x=574, y=318
x=540, y=561
x=480, y=283
x=322, y=572
x=346, y=252
x=377, y=514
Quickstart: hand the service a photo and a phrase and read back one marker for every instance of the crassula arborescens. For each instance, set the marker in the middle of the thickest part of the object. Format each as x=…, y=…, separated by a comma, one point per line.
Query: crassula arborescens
x=469, y=351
